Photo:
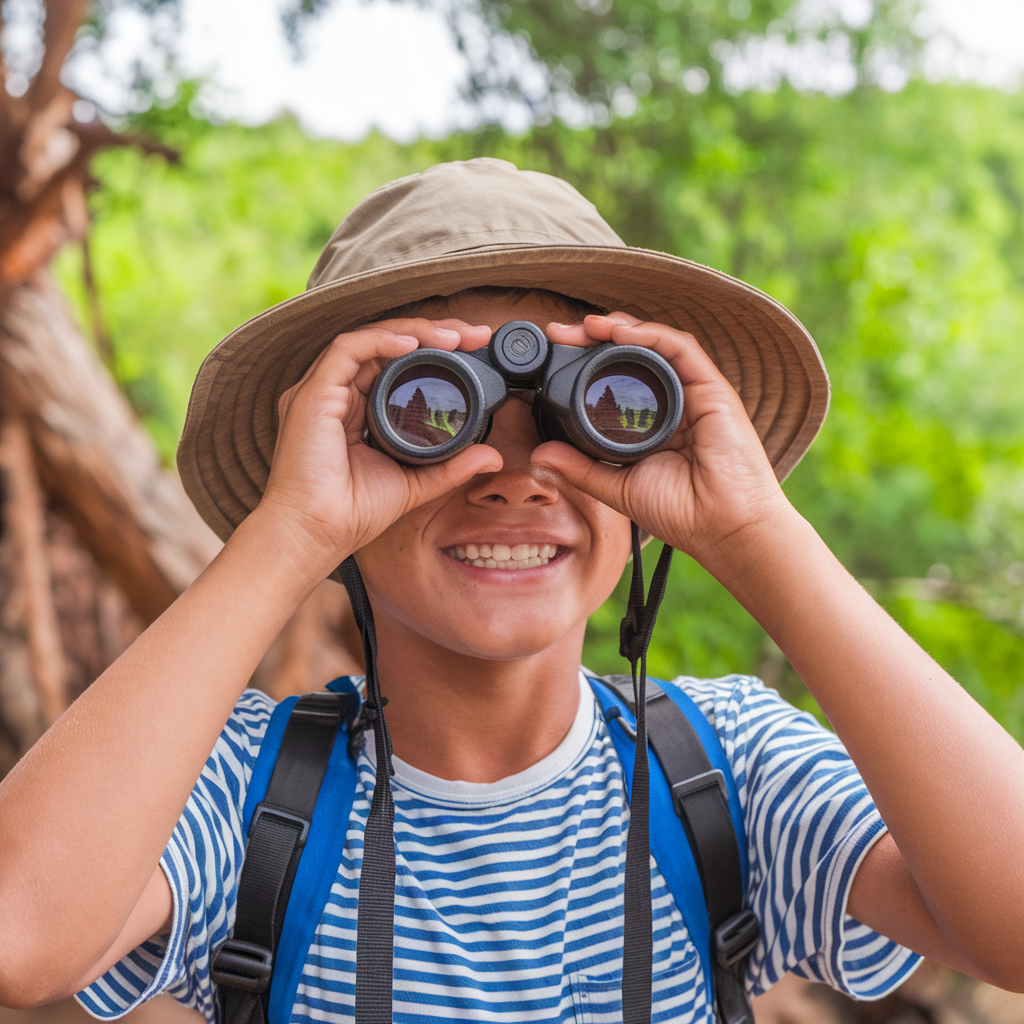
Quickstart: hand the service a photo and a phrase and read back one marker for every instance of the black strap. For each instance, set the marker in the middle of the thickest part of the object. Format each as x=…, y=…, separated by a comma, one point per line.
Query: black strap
x=375, y=925
x=277, y=834
x=700, y=798
x=634, y=638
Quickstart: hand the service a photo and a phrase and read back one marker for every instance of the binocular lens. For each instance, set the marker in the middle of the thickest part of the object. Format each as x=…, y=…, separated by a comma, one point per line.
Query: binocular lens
x=626, y=403
x=427, y=406
x=613, y=402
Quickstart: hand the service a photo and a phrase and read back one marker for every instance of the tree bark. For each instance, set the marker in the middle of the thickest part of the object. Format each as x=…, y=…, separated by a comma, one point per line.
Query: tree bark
x=95, y=458
x=25, y=520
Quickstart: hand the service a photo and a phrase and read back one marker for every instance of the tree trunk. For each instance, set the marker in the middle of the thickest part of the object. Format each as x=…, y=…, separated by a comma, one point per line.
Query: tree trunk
x=97, y=538
x=95, y=458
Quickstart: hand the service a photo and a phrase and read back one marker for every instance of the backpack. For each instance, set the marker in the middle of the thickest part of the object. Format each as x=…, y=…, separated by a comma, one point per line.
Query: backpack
x=300, y=798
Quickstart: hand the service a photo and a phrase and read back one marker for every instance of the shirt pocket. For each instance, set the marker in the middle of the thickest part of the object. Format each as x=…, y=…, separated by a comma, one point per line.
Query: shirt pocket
x=678, y=995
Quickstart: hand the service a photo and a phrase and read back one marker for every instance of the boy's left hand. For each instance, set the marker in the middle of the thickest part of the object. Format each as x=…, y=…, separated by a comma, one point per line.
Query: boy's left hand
x=712, y=486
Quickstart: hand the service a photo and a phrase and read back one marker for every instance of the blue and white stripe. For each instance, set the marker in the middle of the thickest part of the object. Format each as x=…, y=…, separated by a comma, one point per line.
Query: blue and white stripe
x=508, y=903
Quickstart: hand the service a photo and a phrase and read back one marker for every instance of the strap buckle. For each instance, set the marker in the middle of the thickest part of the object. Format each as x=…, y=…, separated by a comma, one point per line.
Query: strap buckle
x=736, y=938
x=698, y=782
x=243, y=965
x=325, y=705
x=268, y=810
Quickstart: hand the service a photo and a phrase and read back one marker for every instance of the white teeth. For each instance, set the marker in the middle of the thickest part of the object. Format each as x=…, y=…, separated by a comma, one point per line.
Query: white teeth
x=502, y=556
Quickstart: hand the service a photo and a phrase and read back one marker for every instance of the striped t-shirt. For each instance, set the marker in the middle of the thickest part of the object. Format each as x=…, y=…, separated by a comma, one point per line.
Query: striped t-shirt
x=508, y=895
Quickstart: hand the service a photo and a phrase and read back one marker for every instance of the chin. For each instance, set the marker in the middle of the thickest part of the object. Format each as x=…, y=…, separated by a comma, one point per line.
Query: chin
x=514, y=649
x=502, y=636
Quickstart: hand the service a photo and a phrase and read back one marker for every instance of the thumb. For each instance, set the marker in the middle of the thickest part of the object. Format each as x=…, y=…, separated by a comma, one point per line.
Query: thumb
x=431, y=482
x=598, y=479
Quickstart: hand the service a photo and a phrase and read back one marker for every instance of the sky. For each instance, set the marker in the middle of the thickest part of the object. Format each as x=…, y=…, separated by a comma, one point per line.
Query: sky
x=393, y=66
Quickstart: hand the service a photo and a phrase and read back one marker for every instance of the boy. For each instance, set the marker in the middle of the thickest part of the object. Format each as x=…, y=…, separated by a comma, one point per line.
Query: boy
x=510, y=826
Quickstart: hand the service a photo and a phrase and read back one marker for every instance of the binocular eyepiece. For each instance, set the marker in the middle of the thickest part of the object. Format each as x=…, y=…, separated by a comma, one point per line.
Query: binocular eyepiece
x=616, y=403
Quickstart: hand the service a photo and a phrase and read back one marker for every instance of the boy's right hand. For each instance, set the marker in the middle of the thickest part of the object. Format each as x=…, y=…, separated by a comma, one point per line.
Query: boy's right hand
x=330, y=493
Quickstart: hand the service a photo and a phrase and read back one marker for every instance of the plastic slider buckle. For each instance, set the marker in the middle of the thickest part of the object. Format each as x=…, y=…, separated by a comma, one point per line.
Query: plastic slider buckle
x=630, y=629
x=698, y=782
x=615, y=714
x=243, y=965
x=736, y=938
x=324, y=706
x=269, y=811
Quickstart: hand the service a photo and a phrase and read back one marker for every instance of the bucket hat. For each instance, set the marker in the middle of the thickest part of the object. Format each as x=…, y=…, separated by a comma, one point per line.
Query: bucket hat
x=462, y=225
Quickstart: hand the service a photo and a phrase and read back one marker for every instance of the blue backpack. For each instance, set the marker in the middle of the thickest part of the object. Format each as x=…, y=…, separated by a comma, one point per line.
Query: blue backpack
x=300, y=798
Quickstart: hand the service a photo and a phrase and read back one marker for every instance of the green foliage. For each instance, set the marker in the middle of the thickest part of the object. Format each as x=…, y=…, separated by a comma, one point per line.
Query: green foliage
x=644, y=49
x=183, y=254
x=891, y=223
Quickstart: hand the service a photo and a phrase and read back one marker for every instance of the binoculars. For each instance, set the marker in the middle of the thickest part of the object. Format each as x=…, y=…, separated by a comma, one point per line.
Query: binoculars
x=616, y=403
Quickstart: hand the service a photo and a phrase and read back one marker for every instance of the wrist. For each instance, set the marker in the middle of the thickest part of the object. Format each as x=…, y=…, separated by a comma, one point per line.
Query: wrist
x=755, y=559
x=292, y=556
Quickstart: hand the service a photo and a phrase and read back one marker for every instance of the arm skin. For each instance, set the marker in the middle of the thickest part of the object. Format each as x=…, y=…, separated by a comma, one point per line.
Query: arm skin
x=123, y=759
x=948, y=880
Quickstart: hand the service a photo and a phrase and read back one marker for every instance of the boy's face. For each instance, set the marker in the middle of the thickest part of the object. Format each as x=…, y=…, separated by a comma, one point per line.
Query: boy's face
x=413, y=570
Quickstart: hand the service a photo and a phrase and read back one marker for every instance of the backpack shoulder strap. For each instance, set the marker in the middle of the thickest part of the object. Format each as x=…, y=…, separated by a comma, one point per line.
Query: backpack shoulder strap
x=693, y=790
x=296, y=817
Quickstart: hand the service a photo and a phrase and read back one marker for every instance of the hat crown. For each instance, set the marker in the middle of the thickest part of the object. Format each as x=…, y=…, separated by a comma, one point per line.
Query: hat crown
x=463, y=206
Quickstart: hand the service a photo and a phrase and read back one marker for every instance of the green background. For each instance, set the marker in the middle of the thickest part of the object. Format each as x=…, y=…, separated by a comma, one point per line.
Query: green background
x=891, y=223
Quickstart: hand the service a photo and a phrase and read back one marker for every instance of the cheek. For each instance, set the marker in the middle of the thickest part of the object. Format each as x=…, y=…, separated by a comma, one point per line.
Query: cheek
x=611, y=533
x=393, y=555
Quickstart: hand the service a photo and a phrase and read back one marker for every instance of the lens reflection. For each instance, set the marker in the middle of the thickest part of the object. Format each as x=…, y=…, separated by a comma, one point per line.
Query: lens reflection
x=626, y=403
x=427, y=406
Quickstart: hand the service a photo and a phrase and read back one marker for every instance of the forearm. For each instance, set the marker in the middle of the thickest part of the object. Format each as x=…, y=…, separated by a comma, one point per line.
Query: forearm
x=86, y=814
x=947, y=779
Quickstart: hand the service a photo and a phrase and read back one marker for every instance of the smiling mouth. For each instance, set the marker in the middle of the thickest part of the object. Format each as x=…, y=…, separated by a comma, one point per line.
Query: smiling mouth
x=501, y=556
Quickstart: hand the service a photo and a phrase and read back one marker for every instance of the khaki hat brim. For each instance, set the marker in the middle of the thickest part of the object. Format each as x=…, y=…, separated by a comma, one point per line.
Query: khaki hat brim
x=761, y=348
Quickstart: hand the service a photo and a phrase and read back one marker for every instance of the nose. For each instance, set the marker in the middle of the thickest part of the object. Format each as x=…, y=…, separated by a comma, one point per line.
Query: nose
x=518, y=482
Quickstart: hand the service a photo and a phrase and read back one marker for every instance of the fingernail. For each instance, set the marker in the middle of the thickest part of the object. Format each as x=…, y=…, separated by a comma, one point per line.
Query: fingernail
x=407, y=337
x=449, y=335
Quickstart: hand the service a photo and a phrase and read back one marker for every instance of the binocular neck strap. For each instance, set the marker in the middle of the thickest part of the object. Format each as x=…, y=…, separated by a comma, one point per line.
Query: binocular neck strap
x=375, y=936
x=634, y=637
x=375, y=923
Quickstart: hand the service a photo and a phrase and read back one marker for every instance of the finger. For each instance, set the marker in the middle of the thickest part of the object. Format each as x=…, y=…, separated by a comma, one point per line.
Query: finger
x=591, y=330
x=433, y=481
x=469, y=338
x=598, y=479
x=679, y=348
x=473, y=336
x=340, y=361
x=326, y=389
x=569, y=334
x=447, y=334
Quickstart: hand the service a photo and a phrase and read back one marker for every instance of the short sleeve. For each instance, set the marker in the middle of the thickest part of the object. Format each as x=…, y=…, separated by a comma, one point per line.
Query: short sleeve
x=810, y=821
x=201, y=862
